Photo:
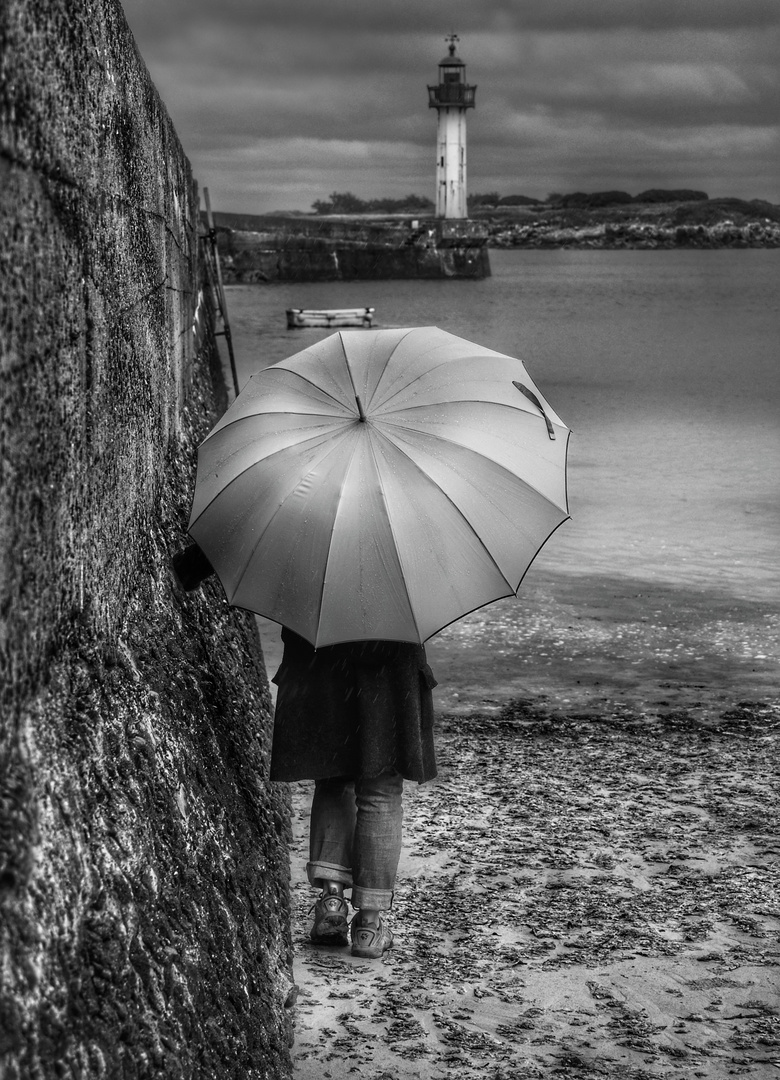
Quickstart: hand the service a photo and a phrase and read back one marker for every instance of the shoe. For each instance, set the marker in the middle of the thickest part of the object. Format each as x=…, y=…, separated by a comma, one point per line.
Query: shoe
x=330, y=921
x=369, y=940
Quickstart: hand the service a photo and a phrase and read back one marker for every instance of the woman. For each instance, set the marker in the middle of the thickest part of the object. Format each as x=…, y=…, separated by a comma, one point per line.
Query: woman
x=357, y=718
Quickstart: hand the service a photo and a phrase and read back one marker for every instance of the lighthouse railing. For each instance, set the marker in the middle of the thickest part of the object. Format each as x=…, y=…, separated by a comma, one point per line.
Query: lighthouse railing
x=451, y=94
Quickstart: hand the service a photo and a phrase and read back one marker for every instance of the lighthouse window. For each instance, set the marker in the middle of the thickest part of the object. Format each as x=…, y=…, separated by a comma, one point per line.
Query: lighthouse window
x=452, y=76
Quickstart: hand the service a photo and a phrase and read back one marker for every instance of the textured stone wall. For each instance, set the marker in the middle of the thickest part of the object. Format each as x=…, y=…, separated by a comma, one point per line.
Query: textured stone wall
x=144, y=906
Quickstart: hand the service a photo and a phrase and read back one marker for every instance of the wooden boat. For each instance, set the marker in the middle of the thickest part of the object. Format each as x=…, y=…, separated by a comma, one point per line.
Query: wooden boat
x=302, y=317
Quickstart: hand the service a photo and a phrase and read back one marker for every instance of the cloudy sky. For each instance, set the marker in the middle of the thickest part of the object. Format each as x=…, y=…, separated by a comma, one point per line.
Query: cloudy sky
x=281, y=102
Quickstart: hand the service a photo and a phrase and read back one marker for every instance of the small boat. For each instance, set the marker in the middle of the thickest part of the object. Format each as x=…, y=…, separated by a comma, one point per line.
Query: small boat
x=300, y=317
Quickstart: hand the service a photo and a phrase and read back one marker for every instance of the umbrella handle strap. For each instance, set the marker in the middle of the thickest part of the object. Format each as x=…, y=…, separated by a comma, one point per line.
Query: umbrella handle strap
x=533, y=398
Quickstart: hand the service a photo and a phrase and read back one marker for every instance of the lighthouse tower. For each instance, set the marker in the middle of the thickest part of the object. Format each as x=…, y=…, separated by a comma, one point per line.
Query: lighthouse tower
x=451, y=97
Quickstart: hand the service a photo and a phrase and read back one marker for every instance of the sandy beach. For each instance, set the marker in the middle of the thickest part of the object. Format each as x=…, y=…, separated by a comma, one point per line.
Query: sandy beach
x=591, y=887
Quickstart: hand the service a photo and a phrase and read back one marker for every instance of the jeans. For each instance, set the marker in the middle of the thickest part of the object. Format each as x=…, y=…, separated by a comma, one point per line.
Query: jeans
x=355, y=836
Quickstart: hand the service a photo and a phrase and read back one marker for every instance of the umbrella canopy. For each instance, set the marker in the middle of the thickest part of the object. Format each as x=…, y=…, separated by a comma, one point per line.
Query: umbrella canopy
x=380, y=484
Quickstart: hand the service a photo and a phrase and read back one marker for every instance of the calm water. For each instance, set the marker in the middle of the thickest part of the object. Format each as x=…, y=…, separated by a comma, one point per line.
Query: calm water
x=666, y=366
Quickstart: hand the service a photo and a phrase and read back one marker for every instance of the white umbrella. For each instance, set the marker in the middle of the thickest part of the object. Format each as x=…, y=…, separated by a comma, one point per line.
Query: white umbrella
x=380, y=484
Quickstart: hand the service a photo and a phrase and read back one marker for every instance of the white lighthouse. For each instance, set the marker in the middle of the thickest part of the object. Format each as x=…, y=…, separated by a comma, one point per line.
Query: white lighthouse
x=451, y=97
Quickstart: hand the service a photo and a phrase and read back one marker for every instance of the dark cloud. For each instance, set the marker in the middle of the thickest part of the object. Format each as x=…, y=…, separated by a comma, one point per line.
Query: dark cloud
x=642, y=14
x=438, y=17
x=279, y=103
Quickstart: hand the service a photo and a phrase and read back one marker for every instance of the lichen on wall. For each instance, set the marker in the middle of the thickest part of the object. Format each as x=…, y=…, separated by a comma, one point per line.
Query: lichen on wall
x=144, y=905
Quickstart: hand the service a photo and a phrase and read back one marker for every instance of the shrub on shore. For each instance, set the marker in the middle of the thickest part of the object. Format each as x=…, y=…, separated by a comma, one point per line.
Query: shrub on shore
x=344, y=202
x=715, y=211
x=662, y=195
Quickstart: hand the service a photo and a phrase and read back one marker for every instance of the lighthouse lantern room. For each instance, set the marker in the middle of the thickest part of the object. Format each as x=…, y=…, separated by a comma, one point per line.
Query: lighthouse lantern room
x=451, y=97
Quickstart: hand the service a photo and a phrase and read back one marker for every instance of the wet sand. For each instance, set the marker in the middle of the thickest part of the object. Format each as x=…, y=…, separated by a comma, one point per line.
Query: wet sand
x=592, y=885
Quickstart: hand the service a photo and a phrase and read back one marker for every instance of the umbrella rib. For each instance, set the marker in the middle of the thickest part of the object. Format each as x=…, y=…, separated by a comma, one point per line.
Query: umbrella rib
x=282, y=450
x=514, y=592
x=472, y=401
x=330, y=547
x=522, y=480
x=311, y=382
x=247, y=417
x=411, y=382
x=455, y=506
x=390, y=523
x=270, y=521
x=385, y=362
x=352, y=379
x=390, y=355
x=392, y=530
x=481, y=355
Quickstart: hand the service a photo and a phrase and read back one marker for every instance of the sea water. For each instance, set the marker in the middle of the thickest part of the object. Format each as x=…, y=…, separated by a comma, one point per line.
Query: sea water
x=665, y=364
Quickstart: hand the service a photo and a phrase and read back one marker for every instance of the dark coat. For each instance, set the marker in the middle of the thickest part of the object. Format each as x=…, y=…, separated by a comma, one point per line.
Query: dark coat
x=356, y=709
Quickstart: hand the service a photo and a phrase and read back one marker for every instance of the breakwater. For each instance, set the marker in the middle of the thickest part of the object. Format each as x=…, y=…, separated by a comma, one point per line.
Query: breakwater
x=144, y=896
x=296, y=248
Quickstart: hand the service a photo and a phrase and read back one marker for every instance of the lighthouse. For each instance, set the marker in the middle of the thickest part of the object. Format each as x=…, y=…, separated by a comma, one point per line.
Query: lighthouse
x=451, y=97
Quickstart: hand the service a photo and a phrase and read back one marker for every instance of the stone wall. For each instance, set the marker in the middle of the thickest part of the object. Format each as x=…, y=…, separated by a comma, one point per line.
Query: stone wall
x=144, y=896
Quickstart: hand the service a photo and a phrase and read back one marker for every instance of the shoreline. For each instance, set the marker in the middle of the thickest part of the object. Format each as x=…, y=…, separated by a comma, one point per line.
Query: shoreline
x=598, y=642
x=592, y=640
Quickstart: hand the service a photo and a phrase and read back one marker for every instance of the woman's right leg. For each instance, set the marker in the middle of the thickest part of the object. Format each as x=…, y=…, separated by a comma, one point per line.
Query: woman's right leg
x=332, y=831
x=331, y=835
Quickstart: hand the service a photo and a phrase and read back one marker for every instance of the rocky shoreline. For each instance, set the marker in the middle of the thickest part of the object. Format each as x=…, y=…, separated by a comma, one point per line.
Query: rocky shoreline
x=701, y=223
x=637, y=234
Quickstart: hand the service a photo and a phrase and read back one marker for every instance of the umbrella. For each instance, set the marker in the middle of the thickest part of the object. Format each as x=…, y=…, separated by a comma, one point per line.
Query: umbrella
x=380, y=484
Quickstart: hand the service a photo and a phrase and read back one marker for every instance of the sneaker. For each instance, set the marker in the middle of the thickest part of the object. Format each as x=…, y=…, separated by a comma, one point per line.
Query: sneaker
x=330, y=921
x=370, y=940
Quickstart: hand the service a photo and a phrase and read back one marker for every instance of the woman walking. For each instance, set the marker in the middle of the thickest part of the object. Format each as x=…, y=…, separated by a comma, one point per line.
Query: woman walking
x=357, y=718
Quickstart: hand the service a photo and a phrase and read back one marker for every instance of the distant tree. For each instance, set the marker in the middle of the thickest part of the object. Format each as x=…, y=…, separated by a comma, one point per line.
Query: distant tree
x=341, y=202
x=575, y=199
x=553, y=197
x=608, y=198
x=583, y=200
x=490, y=198
x=655, y=195
x=416, y=202
x=518, y=200
x=344, y=202
x=408, y=204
